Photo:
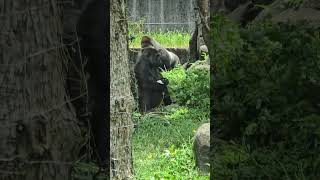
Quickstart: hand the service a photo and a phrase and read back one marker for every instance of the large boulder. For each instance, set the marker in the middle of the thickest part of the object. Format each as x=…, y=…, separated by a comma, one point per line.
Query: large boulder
x=309, y=15
x=202, y=147
x=245, y=11
x=308, y=11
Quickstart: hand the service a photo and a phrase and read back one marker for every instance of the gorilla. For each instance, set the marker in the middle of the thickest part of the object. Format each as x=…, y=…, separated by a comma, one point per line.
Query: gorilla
x=169, y=59
x=85, y=34
x=152, y=87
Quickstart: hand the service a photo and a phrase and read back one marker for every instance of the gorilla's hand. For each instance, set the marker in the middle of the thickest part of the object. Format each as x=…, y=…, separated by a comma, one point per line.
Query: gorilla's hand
x=160, y=81
x=163, y=81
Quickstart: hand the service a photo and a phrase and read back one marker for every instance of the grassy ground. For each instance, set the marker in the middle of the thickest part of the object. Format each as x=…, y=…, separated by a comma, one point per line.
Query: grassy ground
x=162, y=144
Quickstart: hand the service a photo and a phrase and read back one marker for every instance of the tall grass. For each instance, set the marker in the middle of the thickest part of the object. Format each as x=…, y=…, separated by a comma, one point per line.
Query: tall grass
x=166, y=39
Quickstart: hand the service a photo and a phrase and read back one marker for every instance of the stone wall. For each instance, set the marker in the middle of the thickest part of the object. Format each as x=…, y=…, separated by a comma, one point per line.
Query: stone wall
x=182, y=53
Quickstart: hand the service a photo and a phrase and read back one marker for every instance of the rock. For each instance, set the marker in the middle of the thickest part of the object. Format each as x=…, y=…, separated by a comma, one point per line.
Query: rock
x=203, y=52
x=315, y=4
x=237, y=15
x=203, y=49
x=201, y=147
x=309, y=15
x=309, y=11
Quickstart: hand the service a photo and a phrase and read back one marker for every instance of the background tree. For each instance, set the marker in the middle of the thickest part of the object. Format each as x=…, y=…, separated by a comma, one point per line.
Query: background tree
x=121, y=99
x=39, y=134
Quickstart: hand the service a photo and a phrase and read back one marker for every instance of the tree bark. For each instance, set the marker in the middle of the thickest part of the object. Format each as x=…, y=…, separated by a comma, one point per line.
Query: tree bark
x=205, y=8
x=121, y=99
x=39, y=134
x=193, y=45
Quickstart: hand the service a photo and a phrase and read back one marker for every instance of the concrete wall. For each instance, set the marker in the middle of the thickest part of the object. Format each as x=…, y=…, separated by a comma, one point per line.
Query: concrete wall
x=163, y=14
x=182, y=53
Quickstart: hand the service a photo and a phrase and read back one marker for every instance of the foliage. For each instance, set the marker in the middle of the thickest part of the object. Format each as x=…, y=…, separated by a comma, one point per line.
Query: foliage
x=191, y=87
x=266, y=88
x=166, y=39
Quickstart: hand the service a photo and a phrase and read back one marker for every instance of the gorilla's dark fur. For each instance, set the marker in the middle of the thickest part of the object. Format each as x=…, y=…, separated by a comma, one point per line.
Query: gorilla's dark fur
x=169, y=59
x=147, y=72
x=85, y=33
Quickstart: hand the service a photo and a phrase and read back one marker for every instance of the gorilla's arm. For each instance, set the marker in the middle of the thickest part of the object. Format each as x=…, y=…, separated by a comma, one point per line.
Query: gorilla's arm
x=149, y=77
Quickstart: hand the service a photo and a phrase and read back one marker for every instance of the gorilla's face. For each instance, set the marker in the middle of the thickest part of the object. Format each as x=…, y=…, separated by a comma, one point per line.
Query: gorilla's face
x=145, y=42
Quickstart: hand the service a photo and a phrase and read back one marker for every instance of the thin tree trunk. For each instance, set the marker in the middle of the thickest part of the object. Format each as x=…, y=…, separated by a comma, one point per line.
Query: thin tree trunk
x=207, y=10
x=39, y=135
x=121, y=100
x=193, y=45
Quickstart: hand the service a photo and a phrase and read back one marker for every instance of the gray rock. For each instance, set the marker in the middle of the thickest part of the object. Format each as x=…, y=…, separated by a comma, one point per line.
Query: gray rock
x=309, y=11
x=309, y=15
x=315, y=4
x=202, y=147
x=237, y=14
x=203, y=50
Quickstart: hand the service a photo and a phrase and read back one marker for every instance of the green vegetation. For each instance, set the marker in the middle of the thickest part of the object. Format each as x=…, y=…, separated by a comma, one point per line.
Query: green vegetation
x=166, y=39
x=266, y=87
x=163, y=140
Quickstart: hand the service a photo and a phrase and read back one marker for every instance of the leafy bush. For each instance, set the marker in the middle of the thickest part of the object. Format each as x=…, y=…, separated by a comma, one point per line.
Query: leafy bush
x=190, y=88
x=266, y=88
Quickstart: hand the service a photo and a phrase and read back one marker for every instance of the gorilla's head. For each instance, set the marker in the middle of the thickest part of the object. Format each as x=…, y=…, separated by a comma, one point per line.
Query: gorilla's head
x=146, y=42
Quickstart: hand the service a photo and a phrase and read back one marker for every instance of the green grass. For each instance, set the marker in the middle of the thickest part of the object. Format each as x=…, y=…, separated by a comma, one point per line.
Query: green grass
x=166, y=39
x=162, y=143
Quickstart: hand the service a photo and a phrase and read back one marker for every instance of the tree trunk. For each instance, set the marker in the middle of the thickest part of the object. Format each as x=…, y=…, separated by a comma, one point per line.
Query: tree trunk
x=193, y=45
x=121, y=100
x=206, y=10
x=197, y=39
x=39, y=134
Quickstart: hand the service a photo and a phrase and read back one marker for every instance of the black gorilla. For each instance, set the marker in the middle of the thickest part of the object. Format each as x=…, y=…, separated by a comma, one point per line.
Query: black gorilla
x=169, y=59
x=152, y=87
x=85, y=33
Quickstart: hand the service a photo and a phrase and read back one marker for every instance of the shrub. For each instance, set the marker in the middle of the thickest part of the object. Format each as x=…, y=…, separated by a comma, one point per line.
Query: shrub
x=266, y=88
x=190, y=88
